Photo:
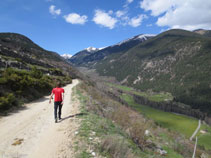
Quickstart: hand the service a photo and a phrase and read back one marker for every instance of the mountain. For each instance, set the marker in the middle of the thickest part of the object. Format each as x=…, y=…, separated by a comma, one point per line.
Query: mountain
x=89, y=58
x=175, y=61
x=77, y=59
x=28, y=72
x=66, y=56
x=203, y=32
x=20, y=52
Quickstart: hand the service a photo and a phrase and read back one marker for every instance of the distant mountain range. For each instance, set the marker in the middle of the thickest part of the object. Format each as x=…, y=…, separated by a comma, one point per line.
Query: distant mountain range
x=176, y=61
x=88, y=58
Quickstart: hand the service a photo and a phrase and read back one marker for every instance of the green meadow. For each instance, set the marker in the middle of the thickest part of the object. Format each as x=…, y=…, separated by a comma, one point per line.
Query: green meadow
x=205, y=139
x=176, y=122
x=180, y=123
x=156, y=97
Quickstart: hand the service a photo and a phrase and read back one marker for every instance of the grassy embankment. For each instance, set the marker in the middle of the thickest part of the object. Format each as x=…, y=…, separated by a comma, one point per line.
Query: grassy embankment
x=99, y=136
x=180, y=123
x=109, y=129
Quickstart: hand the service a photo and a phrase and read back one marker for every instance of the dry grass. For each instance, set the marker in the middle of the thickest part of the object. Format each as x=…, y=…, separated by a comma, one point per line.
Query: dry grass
x=129, y=120
x=116, y=147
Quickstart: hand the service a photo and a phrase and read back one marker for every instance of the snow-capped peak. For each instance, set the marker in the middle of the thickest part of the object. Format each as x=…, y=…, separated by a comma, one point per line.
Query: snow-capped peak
x=92, y=49
x=66, y=56
x=141, y=37
x=144, y=36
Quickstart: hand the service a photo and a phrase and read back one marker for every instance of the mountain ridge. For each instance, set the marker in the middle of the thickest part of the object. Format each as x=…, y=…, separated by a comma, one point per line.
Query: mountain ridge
x=175, y=61
x=84, y=58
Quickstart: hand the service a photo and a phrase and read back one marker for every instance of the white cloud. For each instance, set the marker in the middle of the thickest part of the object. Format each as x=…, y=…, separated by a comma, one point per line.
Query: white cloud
x=190, y=15
x=54, y=11
x=120, y=13
x=129, y=1
x=75, y=18
x=157, y=7
x=104, y=19
x=136, y=21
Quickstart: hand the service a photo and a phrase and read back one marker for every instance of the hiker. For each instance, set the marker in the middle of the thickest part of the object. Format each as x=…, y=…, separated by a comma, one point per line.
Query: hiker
x=58, y=93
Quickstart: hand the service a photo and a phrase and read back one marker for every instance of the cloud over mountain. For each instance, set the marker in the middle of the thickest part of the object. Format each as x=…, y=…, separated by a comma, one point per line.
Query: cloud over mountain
x=191, y=14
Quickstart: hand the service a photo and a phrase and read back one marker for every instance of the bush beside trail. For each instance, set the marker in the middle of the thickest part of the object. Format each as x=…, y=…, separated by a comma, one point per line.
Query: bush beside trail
x=20, y=86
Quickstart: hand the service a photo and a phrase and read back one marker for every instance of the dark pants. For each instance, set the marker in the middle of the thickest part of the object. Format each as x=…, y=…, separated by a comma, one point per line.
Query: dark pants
x=56, y=106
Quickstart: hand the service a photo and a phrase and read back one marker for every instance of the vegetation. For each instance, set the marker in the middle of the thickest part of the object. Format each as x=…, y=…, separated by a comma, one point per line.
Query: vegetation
x=110, y=129
x=175, y=61
x=175, y=122
x=152, y=96
x=204, y=138
x=18, y=86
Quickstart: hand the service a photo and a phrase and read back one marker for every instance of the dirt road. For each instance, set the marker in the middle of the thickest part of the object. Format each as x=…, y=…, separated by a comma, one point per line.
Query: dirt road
x=32, y=133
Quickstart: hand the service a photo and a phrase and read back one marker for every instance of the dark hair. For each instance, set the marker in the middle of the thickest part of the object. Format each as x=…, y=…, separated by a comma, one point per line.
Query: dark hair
x=58, y=84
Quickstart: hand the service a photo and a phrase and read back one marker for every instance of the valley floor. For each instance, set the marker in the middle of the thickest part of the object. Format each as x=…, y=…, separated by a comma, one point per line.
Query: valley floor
x=32, y=133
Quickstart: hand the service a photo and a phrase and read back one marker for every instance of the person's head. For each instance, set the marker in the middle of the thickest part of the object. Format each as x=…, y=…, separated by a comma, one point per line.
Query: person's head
x=58, y=84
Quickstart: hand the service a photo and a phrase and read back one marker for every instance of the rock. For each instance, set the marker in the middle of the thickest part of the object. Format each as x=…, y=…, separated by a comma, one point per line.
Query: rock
x=93, y=153
x=203, y=155
x=161, y=151
x=147, y=132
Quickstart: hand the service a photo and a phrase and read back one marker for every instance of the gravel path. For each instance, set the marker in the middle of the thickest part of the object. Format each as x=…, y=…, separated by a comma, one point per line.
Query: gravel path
x=32, y=133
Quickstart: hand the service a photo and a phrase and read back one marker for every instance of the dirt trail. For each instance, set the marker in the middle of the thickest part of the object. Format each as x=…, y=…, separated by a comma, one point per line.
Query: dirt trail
x=196, y=131
x=32, y=133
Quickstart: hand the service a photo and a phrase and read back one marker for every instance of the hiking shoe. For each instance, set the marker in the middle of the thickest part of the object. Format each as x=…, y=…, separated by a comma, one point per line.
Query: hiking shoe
x=55, y=120
x=60, y=118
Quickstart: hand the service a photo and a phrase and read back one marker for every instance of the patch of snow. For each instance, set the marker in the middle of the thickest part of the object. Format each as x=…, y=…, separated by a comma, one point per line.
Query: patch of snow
x=91, y=49
x=66, y=56
x=142, y=37
x=102, y=48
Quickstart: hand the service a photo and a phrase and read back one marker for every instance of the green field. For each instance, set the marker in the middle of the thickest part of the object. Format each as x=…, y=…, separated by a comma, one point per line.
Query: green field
x=205, y=139
x=180, y=123
x=152, y=96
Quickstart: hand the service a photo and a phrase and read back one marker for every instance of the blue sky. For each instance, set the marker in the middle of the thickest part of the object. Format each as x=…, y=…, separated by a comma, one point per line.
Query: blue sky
x=68, y=26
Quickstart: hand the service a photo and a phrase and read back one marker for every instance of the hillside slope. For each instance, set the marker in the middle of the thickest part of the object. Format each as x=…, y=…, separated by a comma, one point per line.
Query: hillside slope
x=28, y=72
x=175, y=61
x=20, y=52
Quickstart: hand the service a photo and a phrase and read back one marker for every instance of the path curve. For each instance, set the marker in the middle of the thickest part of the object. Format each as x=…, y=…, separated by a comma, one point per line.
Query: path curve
x=196, y=131
x=32, y=133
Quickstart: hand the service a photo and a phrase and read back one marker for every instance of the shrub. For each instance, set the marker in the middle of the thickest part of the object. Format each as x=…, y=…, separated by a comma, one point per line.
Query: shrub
x=7, y=101
x=36, y=73
x=116, y=147
x=25, y=85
